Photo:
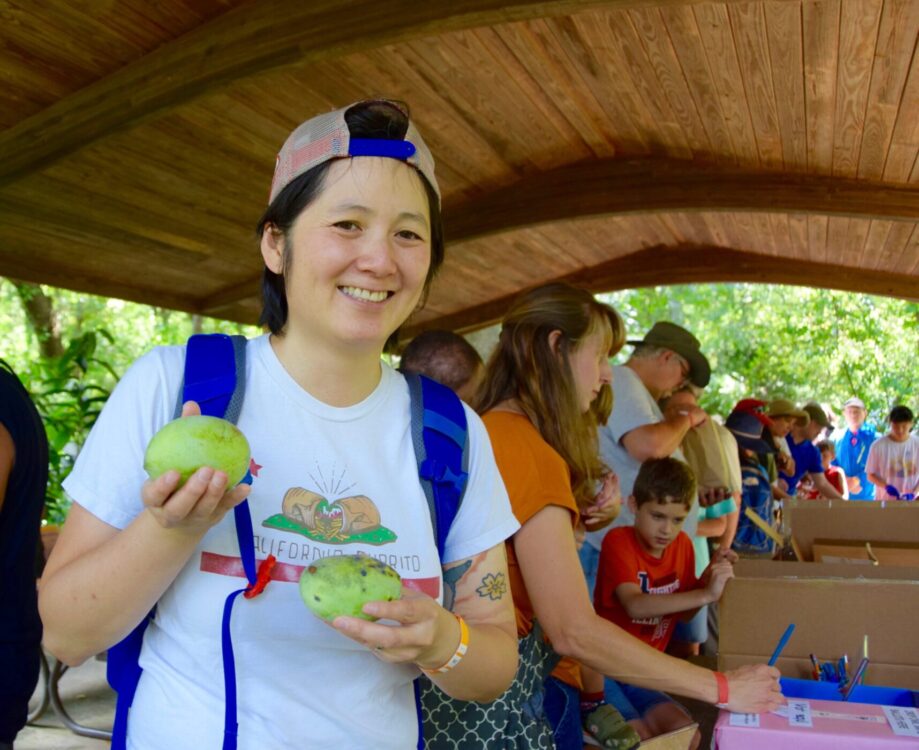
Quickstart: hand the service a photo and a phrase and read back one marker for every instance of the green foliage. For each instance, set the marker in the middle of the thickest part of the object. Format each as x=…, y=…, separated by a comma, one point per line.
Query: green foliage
x=69, y=402
x=763, y=341
x=794, y=342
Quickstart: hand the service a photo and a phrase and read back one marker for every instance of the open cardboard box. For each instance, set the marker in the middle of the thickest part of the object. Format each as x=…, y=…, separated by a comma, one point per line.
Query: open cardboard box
x=833, y=606
x=855, y=531
x=905, y=554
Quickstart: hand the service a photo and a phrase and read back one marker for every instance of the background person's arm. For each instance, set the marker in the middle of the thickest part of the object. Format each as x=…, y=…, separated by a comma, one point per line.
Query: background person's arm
x=823, y=486
x=661, y=439
x=7, y=461
x=709, y=527
x=731, y=521
x=639, y=605
x=877, y=480
x=556, y=586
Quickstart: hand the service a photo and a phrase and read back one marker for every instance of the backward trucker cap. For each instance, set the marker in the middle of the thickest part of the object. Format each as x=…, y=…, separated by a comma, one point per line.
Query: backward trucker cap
x=327, y=137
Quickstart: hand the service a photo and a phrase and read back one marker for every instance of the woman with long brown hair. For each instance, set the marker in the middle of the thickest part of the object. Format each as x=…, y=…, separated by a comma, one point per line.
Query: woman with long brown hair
x=551, y=363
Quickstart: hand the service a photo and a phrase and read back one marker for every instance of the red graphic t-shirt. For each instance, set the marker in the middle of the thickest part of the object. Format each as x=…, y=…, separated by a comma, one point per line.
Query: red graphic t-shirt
x=622, y=560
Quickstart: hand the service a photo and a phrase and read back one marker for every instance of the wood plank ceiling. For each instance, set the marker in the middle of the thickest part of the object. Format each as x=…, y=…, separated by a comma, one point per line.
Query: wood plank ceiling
x=616, y=144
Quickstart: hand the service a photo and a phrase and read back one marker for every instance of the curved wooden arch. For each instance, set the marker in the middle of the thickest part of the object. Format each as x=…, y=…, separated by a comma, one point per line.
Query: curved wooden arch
x=617, y=186
x=690, y=264
x=252, y=39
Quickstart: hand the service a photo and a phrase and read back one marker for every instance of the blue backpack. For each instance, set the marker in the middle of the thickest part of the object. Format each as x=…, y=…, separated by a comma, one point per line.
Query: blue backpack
x=756, y=495
x=215, y=368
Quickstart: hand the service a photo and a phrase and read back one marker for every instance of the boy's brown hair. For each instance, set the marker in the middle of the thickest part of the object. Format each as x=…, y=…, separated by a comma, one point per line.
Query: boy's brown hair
x=826, y=446
x=665, y=480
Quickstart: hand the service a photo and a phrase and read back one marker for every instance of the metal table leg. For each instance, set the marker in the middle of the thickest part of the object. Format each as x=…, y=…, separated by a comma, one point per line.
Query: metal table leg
x=45, y=681
x=56, y=672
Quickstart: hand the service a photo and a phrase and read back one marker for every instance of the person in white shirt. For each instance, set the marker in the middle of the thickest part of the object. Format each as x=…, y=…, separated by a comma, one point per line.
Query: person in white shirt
x=893, y=460
x=350, y=241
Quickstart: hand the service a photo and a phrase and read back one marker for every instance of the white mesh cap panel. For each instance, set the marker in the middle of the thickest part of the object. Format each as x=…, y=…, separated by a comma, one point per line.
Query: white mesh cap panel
x=326, y=137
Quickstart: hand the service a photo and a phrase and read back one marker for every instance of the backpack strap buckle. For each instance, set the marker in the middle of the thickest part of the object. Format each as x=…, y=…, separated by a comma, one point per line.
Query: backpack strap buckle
x=439, y=472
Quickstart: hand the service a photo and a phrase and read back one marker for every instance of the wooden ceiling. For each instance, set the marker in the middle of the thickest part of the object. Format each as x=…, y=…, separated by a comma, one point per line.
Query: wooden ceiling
x=616, y=144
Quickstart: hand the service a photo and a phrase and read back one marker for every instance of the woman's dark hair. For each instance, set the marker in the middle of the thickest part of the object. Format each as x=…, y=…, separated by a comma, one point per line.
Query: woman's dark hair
x=371, y=119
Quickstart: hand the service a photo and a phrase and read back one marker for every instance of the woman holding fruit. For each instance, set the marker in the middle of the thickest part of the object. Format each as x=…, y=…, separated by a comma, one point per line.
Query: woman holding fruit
x=351, y=240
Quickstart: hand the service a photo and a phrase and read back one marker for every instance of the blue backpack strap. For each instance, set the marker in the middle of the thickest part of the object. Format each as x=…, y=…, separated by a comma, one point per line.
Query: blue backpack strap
x=440, y=439
x=215, y=366
x=441, y=442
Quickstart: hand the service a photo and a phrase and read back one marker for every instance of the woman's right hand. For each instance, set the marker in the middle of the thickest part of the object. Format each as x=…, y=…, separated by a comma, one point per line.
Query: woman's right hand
x=199, y=503
x=754, y=689
x=195, y=506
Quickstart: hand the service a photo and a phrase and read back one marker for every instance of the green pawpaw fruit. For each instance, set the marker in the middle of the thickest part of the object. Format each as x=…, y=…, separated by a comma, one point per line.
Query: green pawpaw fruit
x=343, y=584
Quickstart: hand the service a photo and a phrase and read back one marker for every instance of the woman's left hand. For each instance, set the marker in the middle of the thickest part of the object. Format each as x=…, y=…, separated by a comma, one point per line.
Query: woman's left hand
x=606, y=505
x=425, y=633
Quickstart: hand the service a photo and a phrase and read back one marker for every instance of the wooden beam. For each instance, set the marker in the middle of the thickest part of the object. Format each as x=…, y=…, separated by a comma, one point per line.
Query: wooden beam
x=249, y=40
x=634, y=186
x=688, y=264
x=621, y=186
x=39, y=273
x=231, y=295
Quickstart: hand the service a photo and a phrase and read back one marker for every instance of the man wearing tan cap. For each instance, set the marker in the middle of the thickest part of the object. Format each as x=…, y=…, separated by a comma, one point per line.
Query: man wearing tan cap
x=782, y=415
x=806, y=456
x=666, y=358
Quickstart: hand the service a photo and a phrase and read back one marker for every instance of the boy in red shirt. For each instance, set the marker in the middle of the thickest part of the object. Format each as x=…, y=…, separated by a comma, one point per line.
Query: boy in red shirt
x=646, y=582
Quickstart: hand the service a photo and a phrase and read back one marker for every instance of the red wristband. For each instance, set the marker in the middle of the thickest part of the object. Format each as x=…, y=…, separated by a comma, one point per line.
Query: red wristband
x=722, y=683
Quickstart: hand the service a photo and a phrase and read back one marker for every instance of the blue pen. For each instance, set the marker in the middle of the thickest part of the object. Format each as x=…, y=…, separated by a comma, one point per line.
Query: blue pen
x=782, y=641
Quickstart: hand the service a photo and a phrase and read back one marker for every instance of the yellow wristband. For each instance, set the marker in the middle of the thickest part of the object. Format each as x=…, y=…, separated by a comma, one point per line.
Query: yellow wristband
x=458, y=654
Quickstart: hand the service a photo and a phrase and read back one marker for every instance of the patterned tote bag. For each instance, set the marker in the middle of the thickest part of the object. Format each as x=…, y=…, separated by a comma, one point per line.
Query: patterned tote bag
x=514, y=721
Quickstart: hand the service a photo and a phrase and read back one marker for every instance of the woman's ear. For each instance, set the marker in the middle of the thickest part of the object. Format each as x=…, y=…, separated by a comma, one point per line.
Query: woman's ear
x=272, y=247
x=554, y=337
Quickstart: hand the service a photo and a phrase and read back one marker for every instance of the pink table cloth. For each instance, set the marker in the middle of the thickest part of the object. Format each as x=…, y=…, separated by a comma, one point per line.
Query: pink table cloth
x=835, y=726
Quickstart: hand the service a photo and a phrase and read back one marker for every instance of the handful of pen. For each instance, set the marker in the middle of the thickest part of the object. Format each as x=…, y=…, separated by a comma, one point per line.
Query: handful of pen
x=838, y=672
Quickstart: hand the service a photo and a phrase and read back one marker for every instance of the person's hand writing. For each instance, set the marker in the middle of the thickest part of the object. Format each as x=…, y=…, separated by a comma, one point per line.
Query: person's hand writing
x=753, y=689
x=198, y=504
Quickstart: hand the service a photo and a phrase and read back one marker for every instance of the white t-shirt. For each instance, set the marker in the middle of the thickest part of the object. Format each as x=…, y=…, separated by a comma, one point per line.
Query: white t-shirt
x=896, y=463
x=633, y=407
x=299, y=682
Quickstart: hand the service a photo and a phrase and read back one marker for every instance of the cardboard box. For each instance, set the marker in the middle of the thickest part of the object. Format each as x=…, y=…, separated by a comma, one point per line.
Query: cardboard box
x=904, y=554
x=893, y=523
x=833, y=606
